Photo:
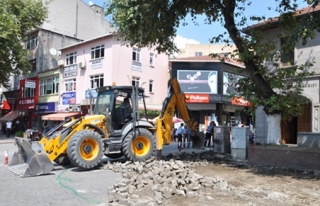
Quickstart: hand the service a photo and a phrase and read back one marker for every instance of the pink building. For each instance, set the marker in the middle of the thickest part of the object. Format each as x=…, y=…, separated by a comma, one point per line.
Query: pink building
x=105, y=61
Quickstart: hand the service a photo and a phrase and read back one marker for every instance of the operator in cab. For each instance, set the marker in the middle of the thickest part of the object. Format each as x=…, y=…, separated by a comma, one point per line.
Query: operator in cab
x=127, y=109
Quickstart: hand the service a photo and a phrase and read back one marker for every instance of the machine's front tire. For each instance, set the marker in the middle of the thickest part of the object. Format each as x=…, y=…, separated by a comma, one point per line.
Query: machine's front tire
x=139, y=148
x=85, y=149
x=63, y=160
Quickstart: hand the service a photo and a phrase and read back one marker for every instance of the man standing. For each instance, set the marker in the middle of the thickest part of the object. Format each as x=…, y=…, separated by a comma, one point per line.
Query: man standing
x=8, y=126
x=208, y=134
x=186, y=136
x=179, y=134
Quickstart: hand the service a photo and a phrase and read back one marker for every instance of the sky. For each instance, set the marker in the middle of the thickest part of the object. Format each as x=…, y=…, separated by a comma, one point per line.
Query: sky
x=202, y=33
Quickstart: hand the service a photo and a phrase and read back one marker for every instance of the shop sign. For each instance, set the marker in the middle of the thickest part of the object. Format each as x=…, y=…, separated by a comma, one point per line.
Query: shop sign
x=75, y=108
x=96, y=64
x=26, y=103
x=68, y=98
x=197, y=98
x=30, y=84
x=48, y=107
x=93, y=92
x=63, y=108
x=70, y=71
x=240, y=101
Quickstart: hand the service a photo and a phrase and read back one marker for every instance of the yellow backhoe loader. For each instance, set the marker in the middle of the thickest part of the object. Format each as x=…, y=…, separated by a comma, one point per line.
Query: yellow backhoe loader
x=108, y=131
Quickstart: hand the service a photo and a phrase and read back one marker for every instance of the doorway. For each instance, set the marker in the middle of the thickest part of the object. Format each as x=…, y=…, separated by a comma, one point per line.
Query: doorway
x=302, y=123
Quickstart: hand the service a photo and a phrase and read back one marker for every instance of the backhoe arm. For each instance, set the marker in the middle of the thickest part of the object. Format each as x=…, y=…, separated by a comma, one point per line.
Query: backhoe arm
x=175, y=100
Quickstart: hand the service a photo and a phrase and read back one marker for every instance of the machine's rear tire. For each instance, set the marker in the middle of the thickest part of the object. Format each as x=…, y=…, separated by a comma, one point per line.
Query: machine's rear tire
x=85, y=149
x=139, y=148
x=63, y=160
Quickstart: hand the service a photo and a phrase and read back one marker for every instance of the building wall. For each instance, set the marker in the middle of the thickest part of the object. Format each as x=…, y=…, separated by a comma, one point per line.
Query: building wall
x=206, y=49
x=76, y=19
x=117, y=67
x=302, y=54
x=47, y=41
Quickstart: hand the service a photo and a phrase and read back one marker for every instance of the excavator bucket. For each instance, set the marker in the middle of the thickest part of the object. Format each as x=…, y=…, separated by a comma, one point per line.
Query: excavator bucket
x=29, y=160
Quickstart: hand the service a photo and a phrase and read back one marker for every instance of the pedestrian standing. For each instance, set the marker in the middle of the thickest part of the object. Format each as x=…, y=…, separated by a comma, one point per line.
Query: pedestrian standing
x=186, y=136
x=179, y=134
x=208, y=134
x=212, y=132
x=8, y=127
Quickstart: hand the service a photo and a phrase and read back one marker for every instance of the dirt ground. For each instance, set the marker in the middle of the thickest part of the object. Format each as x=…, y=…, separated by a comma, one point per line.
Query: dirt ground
x=253, y=185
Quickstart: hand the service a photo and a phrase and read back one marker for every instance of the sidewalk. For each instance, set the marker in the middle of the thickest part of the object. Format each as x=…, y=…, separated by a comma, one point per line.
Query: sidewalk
x=5, y=140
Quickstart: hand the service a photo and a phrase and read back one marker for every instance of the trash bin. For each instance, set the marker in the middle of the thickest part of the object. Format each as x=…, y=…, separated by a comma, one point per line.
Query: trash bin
x=239, y=142
x=221, y=139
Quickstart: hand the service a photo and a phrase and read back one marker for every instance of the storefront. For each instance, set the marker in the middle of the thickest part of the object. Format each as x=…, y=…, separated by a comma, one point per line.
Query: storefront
x=25, y=105
x=208, y=84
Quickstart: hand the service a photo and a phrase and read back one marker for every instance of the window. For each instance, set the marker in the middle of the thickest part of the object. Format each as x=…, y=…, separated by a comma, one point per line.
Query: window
x=150, y=86
x=31, y=42
x=70, y=85
x=71, y=58
x=27, y=92
x=49, y=86
x=198, y=54
x=33, y=65
x=287, y=53
x=151, y=59
x=97, y=52
x=96, y=81
x=136, y=55
x=135, y=81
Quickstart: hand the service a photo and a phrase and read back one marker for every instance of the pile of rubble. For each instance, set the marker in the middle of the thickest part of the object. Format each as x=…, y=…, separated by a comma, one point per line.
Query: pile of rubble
x=155, y=182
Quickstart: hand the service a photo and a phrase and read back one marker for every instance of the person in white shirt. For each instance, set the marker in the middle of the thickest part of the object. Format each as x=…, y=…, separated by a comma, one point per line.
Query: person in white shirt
x=179, y=134
x=186, y=136
x=8, y=126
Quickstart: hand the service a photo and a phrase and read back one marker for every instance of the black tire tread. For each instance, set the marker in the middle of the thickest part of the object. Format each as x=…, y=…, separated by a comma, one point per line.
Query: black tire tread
x=73, y=149
x=127, y=144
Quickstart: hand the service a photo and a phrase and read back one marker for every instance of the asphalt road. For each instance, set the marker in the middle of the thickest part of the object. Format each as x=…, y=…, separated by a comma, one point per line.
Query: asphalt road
x=64, y=186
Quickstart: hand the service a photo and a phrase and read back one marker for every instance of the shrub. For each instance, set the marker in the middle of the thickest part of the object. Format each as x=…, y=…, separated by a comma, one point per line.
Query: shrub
x=19, y=134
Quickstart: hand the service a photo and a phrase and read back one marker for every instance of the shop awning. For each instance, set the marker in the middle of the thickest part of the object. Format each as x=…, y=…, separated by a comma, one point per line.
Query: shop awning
x=10, y=116
x=59, y=116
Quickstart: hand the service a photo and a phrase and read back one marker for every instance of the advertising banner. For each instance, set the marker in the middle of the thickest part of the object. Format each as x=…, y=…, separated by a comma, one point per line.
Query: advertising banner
x=198, y=81
x=69, y=98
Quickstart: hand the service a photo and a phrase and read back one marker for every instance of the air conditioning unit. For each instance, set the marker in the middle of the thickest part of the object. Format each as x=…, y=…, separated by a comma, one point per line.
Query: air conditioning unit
x=82, y=65
x=60, y=62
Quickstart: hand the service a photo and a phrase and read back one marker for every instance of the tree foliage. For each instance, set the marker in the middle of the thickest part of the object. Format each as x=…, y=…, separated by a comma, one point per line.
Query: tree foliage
x=17, y=18
x=154, y=23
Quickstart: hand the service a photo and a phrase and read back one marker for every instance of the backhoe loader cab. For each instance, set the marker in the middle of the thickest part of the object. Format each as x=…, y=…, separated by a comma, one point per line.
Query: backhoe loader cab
x=110, y=101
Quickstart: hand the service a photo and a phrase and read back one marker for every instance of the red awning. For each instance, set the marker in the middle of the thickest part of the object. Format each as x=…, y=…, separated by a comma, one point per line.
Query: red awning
x=5, y=105
x=241, y=102
x=10, y=116
x=59, y=116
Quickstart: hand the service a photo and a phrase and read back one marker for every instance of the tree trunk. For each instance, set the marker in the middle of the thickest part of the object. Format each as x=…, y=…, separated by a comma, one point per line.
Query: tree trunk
x=274, y=130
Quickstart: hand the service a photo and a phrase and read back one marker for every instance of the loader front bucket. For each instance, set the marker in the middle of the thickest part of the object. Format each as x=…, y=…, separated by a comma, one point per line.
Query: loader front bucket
x=29, y=160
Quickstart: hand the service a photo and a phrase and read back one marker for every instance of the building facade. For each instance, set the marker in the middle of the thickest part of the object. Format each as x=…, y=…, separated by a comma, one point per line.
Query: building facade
x=207, y=82
x=299, y=55
x=98, y=62
x=68, y=22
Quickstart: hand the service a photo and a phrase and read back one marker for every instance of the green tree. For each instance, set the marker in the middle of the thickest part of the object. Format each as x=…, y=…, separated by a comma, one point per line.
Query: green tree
x=154, y=23
x=17, y=18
